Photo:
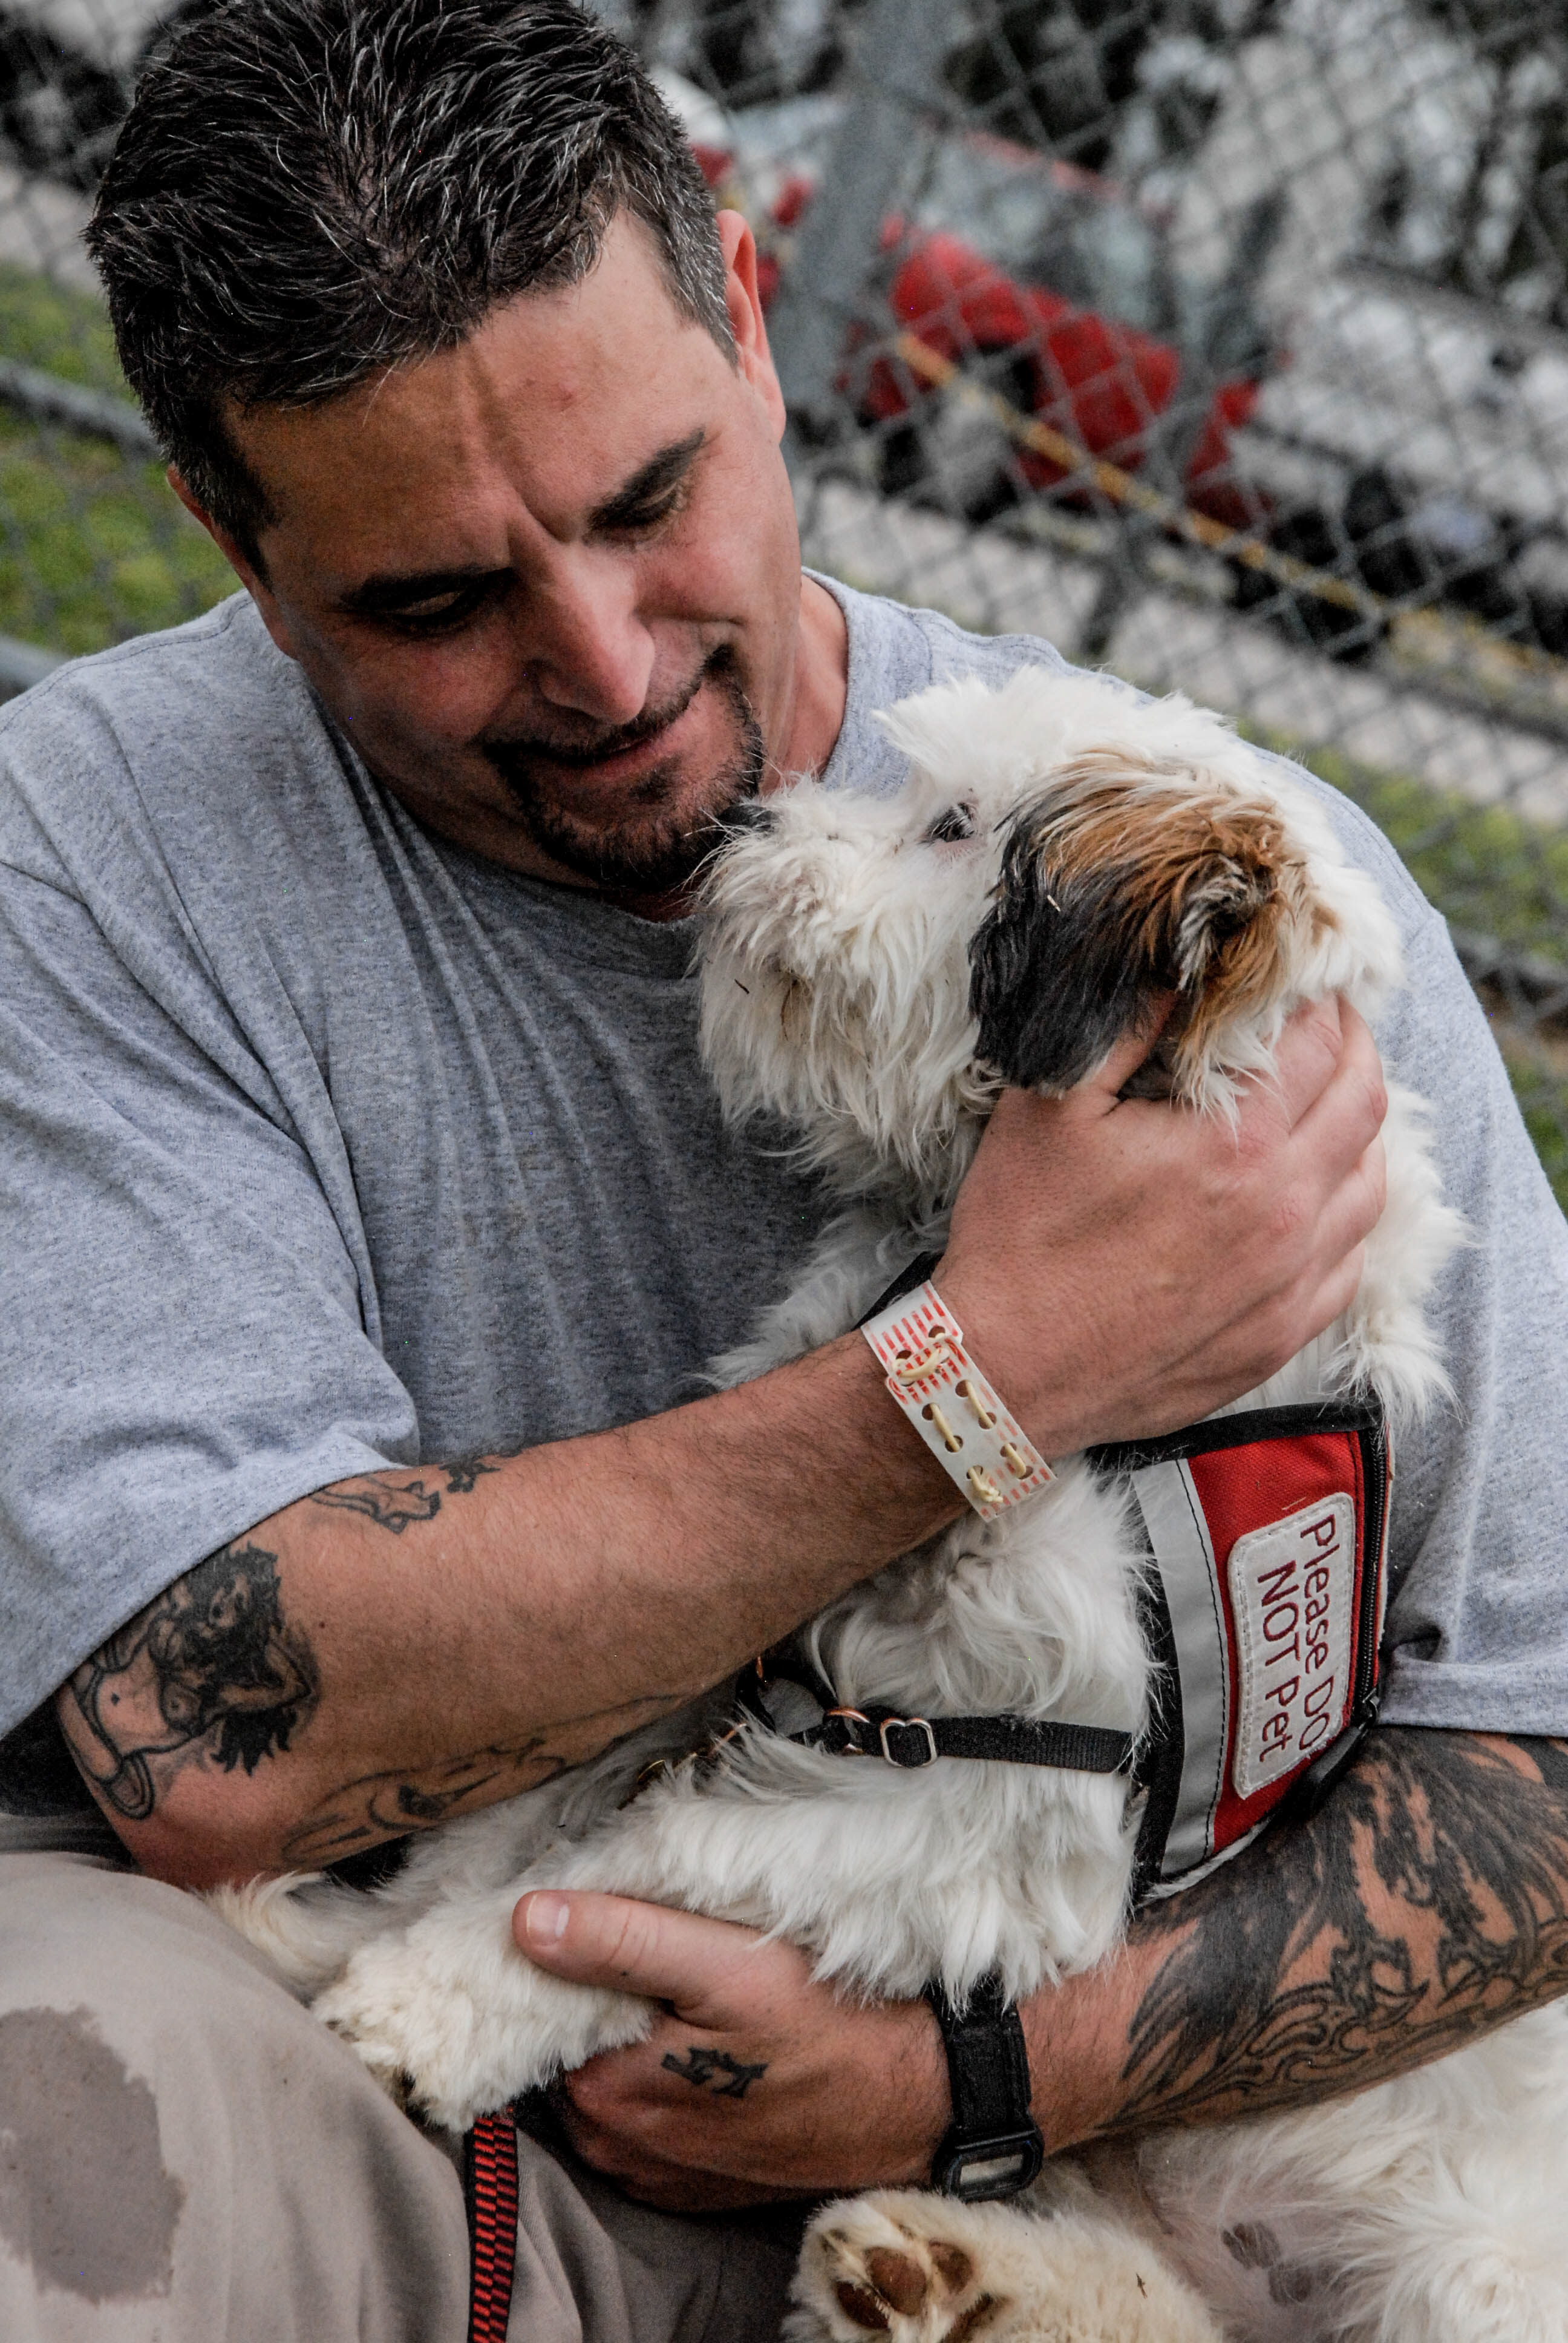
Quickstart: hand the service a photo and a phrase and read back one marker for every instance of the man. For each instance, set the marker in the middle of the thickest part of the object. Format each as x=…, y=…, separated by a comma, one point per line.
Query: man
x=372, y=1208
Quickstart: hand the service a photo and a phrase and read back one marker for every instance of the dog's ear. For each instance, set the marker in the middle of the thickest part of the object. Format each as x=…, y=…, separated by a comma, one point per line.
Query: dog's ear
x=1132, y=878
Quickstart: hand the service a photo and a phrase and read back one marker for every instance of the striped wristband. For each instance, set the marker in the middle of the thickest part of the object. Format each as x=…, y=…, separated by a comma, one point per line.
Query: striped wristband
x=974, y=1438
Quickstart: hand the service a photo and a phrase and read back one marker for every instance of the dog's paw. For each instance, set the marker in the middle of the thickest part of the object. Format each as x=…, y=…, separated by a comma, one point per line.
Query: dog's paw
x=452, y=2021
x=882, y=2266
x=923, y=2270
x=415, y=2029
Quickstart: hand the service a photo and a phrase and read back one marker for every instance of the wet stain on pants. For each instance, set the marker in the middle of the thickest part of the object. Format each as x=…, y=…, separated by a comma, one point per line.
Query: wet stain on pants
x=84, y=2194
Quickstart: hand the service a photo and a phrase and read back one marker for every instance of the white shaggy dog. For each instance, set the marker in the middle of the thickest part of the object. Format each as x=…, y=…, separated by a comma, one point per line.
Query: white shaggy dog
x=873, y=969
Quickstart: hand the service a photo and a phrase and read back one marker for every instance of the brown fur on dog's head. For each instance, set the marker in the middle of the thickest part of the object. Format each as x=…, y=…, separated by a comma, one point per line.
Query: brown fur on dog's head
x=1135, y=877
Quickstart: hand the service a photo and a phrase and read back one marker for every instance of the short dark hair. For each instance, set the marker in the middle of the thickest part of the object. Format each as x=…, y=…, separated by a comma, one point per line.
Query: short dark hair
x=308, y=192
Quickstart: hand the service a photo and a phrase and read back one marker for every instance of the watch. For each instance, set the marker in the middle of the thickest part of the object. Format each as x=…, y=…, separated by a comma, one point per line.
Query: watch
x=993, y=2146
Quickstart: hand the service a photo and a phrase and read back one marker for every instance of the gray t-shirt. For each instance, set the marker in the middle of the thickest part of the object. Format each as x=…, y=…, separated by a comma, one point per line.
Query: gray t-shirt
x=324, y=1141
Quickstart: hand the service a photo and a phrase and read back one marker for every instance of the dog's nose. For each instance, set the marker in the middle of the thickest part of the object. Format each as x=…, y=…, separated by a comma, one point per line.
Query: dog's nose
x=745, y=816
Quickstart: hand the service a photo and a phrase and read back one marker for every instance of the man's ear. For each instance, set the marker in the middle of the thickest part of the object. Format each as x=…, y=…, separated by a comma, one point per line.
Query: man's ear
x=743, y=300
x=244, y=569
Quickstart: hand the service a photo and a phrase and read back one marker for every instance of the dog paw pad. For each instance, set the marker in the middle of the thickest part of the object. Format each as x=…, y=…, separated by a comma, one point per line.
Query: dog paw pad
x=900, y=2279
x=861, y=2307
x=953, y=2266
x=873, y=2273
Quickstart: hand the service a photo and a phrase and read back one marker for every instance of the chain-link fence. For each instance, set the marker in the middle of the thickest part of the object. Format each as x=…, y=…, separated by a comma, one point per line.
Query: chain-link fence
x=1224, y=342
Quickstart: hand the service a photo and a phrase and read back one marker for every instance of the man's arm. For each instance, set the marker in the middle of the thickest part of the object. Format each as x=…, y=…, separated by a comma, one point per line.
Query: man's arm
x=1426, y=1903
x=413, y=1644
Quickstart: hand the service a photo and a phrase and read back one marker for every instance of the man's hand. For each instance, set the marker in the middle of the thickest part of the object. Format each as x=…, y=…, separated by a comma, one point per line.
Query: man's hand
x=1185, y=1259
x=1426, y=1903
x=755, y=2083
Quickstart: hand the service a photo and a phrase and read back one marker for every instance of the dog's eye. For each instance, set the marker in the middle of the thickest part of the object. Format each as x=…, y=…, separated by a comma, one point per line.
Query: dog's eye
x=949, y=826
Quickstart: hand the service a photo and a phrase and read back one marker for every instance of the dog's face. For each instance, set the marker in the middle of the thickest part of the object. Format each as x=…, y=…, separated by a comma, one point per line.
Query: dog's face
x=877, y=970
x=836, y=975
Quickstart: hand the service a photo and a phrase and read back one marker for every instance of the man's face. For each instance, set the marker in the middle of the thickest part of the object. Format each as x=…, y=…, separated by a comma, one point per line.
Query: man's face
x=548, y=582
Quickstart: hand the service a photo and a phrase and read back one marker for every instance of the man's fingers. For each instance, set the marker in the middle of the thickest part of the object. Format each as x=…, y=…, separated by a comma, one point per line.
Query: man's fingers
x=1330, y=1078
x=633, y=1947
x=1309, y=1055
x=1129, y=1054
x=1350, y=1216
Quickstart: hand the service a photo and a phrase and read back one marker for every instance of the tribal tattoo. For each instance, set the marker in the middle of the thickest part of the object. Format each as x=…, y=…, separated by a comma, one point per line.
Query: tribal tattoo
x=211, y=1670
x=394, y=1504
x=381, y=1805
x=375, y=1807
x=1298, y=1981
x=703, y=2068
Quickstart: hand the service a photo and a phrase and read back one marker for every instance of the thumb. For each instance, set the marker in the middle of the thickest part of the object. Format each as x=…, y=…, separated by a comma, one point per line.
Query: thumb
x=1123, y=1062
x=632, y=1947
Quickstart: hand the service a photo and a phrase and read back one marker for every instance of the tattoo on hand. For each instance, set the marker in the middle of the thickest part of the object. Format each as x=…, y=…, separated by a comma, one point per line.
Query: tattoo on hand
x=209, y=1670
x=1299, y=1988
x=394, y=1504
x=701, y=2066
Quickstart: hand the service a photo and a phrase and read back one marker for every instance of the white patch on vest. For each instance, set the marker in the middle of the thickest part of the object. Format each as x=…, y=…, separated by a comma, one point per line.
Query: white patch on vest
x=1292, y=1590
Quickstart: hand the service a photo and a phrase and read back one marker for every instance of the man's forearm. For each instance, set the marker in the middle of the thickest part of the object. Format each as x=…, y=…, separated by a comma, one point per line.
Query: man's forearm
x=417, y=1644
x=1427, y=1901
x=414, y=1643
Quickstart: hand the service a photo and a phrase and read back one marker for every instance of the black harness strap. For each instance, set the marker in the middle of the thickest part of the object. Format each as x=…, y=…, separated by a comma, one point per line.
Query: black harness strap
x=910, y=1743
x=1359, y=1412
x=915, y=1272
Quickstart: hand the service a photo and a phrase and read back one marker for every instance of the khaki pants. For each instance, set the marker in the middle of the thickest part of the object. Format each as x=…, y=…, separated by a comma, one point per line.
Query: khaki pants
x=186, y=2157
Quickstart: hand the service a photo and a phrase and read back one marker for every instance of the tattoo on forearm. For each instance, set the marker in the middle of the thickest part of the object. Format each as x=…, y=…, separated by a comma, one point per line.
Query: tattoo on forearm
x=394, y=1504
x=383, y=1806
x=387, y=1804
x=211, y=1670
x=1309, y=1981
x=464, y=1471
x=391, y=1505
x=703, y=2069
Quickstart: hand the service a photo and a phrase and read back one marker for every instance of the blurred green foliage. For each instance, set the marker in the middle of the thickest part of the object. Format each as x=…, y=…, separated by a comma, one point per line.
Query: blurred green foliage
x=1486, y=867
x=61, y=330
x=1488, y=870
x=94, y=546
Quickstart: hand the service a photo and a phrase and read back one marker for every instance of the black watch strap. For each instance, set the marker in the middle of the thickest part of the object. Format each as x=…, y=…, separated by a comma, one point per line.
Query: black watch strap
x=994, y=2147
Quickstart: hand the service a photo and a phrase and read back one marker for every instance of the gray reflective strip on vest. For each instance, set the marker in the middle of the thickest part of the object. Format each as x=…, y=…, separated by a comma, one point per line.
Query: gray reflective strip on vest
x=1185, y=1555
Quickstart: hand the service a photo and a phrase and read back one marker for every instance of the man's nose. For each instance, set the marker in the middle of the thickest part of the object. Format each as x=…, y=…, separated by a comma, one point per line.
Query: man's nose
x=587, y=649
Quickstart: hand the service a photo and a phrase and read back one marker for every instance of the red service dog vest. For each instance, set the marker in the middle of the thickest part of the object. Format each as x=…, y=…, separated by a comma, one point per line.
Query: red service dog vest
x=1267, y=1535
x=1268, y=1540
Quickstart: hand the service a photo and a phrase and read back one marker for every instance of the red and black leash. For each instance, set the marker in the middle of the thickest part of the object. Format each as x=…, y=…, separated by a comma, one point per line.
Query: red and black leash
x=490, y=2196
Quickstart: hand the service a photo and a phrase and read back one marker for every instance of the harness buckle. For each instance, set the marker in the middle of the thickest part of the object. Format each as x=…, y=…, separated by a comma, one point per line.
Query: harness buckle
x=848, y=1718
x=908, y=1725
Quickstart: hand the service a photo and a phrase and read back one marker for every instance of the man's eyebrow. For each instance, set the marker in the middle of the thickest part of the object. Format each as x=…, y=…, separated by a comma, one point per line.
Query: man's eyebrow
x=657, y=478
x=375, y=595
x=386, y=594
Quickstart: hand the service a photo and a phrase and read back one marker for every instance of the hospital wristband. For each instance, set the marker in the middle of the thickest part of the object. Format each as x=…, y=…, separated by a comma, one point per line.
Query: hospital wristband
x=979, y=1444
